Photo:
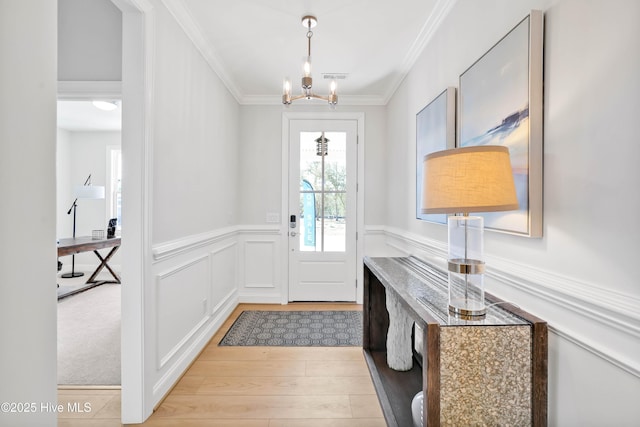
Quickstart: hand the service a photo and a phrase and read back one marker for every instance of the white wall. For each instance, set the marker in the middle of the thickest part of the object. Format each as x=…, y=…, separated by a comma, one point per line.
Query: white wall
x=89, y=41
x=261, y=154
x=79, y=154
x=195, y=150
x=205, y=152
x=180, y=173
x=261, y=258
x=574, y=277
x=64, y=227
x=27, y=166
x=192, y=173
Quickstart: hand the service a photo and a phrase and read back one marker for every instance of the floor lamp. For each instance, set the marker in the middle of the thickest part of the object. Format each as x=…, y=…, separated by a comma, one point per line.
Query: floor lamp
x=85, y=191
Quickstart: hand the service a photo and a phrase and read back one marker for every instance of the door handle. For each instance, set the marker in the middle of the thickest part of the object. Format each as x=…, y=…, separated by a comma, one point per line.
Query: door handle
x=292, y=233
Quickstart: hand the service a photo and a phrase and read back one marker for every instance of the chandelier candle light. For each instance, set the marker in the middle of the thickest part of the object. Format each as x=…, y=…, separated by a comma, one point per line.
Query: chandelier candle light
x=307, y=81
x=463, y=180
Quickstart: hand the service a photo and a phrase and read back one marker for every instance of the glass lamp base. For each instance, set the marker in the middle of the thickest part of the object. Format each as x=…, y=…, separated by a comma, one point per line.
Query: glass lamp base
x=469, y=307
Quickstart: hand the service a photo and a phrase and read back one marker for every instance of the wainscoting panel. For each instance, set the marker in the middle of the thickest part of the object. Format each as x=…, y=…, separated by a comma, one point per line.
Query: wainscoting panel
x=224, y=267
x=604, y=323
x=195, y=290
x=182, y=306
x=259, y=269
x=260, y=266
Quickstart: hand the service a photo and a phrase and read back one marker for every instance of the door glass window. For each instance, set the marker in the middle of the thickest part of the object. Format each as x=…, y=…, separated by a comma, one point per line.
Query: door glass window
x=323, y=185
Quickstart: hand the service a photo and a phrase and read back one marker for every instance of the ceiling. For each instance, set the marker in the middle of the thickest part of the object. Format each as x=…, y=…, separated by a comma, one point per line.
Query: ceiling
x=253, y=44
x=80, y=116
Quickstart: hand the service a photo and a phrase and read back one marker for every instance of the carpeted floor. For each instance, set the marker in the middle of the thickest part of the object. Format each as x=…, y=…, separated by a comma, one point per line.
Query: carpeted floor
x=89, y=337
x=296, y=329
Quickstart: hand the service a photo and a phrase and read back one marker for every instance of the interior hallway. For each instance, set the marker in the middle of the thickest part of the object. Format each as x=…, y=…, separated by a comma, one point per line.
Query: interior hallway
x=254, y=387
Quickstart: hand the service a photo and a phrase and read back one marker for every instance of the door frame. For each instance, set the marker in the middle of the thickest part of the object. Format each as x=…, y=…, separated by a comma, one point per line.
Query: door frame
x=287, y=117
x=138, y=28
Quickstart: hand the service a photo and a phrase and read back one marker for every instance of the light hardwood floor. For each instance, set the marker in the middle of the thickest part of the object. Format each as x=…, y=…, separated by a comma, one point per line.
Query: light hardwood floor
x=254, y=387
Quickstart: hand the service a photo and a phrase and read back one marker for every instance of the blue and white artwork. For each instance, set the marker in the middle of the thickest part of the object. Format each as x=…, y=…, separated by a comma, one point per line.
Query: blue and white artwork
x=435, y=131
x=494, y=110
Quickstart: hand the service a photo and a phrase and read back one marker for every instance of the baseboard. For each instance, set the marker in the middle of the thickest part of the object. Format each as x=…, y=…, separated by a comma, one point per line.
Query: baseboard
x=260, y=299
x=173, y=374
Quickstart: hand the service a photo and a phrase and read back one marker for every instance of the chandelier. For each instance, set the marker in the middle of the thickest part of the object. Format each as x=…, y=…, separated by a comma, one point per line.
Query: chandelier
x=307, y=82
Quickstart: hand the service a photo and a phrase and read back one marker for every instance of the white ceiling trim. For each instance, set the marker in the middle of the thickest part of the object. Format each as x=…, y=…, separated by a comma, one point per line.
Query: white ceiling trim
x=192, y=30
x=88, y=90
x=342, y=100
x=440, y=11
x=194, y=33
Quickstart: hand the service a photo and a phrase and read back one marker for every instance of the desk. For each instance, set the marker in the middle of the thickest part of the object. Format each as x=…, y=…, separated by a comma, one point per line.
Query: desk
x=72, y=246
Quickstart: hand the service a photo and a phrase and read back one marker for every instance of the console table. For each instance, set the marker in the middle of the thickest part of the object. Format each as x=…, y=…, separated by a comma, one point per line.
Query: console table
x=472, y=372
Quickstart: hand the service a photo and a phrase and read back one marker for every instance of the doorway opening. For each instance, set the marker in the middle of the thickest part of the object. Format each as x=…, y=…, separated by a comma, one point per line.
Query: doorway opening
x=88, y=158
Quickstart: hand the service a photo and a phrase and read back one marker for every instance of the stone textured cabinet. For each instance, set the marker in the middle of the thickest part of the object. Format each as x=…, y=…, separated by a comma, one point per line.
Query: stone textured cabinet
x=485, y=372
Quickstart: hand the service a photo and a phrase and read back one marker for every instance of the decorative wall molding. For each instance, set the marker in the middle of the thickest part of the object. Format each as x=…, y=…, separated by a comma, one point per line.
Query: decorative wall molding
x=191, y=351
x=259, y=261
x=259, y=264
x=194, y=33
x=620, y=361
x=619, y=311
x=276, y=99
x=440, y=10
x=578, y=303
x=273, y=230
x=163, y=359
x=408, y=243
x=223, y=248
x=208, y=276
x=172, y=248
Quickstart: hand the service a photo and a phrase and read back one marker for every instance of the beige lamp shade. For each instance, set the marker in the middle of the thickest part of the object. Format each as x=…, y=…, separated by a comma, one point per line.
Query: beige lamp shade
x=469, y=179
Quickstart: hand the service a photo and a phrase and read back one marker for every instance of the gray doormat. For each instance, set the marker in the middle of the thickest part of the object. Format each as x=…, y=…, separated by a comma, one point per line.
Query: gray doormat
x=296, y=329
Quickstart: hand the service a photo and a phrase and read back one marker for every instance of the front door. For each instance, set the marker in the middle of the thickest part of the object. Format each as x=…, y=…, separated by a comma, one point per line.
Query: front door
x=322, y=210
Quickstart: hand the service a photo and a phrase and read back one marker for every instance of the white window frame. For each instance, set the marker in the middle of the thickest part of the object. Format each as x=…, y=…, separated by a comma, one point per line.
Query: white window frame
x=114, y=184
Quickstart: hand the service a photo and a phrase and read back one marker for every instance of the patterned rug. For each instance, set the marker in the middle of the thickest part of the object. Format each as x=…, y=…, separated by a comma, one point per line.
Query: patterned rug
x=296, y=329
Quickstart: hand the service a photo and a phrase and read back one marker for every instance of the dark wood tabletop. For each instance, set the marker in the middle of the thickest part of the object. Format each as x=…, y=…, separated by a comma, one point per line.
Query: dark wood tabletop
x=71, y=246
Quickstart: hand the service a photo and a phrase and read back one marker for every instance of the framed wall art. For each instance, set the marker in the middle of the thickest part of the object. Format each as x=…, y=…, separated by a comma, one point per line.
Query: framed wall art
x=435, y=131
x=501, y=104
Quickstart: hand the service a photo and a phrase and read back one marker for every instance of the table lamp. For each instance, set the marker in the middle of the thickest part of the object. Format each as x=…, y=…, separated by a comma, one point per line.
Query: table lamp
x=460, y=181
x=85, y=191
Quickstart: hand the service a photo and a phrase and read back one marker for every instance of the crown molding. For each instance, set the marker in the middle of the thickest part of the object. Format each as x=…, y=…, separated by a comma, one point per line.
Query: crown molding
x=440, y=11
x=194, y=33
x=276, y=99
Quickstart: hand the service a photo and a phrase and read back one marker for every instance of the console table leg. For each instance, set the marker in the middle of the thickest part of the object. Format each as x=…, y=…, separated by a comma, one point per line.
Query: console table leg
x=399, y=347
